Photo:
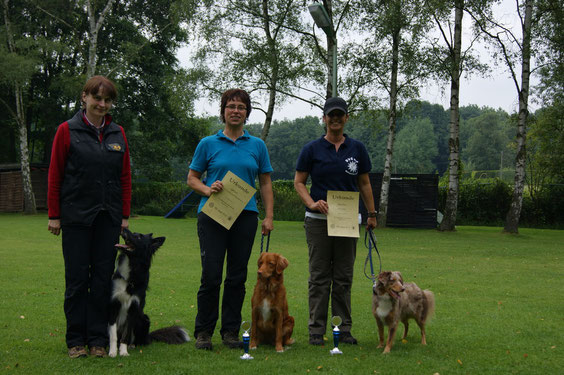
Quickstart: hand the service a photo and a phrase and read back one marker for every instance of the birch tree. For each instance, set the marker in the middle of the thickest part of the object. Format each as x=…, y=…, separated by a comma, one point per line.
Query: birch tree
x=20, y=75
x=392, y=58
x=94, y=29
x=515, y=52
x=454, y=46
x=257, y=45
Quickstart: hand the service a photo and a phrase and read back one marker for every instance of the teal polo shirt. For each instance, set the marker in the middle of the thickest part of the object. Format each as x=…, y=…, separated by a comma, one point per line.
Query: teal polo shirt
x=247, y=157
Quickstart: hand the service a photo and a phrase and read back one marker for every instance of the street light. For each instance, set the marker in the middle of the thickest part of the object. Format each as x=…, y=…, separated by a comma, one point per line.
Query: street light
x=322, y=20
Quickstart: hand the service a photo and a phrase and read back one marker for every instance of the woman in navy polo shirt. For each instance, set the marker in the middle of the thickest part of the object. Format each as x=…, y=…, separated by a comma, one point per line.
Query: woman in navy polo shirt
x=231, y=149
x=334, y=162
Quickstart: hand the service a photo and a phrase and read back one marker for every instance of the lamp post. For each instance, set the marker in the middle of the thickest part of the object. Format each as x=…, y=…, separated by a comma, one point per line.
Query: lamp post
x=322, y=20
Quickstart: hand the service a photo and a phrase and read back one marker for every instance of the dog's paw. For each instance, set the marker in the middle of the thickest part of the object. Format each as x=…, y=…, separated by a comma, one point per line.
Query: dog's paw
x=123, y=350
x=112, y=353
x=253, y=347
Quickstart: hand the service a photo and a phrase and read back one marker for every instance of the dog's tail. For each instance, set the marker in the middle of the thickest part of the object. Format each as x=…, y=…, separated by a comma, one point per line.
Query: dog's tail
x=170, y=335
x=430, y=297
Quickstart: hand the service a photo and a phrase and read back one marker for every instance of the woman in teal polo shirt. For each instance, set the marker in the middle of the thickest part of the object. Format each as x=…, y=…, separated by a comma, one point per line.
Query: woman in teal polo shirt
x=231, y=149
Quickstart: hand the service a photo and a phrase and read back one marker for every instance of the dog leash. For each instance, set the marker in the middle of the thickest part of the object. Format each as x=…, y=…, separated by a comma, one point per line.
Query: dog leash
x=371, y=239
x=267, y=242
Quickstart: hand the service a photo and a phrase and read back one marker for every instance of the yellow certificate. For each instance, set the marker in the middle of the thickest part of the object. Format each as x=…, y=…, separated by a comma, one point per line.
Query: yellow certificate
x=342, y=218
x=225, y=206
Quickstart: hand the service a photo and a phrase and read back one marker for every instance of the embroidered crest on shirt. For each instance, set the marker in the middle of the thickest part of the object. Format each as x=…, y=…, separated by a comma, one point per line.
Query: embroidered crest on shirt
x=115, y=147
x=352, y=166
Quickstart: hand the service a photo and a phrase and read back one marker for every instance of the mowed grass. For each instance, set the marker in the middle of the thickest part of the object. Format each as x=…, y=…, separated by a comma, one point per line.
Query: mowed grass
x=499, y=304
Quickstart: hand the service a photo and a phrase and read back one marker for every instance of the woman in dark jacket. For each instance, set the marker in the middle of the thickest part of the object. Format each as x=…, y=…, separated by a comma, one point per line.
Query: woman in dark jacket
x=89, y=200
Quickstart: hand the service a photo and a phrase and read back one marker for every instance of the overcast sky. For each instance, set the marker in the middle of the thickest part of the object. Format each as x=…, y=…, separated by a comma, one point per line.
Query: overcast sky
x=496, y=90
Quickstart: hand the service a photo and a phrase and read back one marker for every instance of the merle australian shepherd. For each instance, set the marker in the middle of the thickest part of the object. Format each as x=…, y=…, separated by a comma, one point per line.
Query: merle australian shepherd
x=128, y=324
x=394, y=301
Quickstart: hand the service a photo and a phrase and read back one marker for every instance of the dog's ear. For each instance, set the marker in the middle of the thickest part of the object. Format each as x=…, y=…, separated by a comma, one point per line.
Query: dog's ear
x=383, y=276
x=260, y=259
x=281, y=264
x=156, y=243
x=400, y=276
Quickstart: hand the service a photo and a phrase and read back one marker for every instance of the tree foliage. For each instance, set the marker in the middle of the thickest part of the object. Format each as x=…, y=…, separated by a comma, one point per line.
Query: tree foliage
x=136, y=48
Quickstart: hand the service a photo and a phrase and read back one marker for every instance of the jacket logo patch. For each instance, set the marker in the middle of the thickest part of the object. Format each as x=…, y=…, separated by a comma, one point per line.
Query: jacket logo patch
x=352, y=166
x=115, y=146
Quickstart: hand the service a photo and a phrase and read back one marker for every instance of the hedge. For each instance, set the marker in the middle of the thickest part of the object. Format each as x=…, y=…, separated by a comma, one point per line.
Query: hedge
x=480, y=203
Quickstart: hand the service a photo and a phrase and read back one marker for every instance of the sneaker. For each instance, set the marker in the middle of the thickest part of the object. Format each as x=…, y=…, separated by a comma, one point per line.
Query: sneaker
x=231, y=339
x=316, y=340
x=98, y=351
x=77, y=352
x=347, y=338
x=203, y=341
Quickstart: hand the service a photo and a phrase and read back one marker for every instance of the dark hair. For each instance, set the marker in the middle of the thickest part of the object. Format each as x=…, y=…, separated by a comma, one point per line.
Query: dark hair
x=93, y=85
x=233, y=94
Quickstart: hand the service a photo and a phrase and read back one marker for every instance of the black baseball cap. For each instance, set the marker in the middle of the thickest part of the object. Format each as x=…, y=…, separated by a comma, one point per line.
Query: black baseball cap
x=334, y=103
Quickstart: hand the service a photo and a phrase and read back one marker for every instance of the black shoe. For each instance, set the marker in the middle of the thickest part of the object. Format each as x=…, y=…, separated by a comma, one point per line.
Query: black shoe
x=231, y=339
x=316, y=340
x=347, y=338
x=204, y=341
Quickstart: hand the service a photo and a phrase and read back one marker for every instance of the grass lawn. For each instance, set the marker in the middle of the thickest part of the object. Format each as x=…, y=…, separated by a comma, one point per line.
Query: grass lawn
x=499, y=304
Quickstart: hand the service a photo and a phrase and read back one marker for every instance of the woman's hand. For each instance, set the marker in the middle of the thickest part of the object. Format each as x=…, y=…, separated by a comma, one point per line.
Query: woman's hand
x=216, y=187
x=320, y=206
x=54, y=226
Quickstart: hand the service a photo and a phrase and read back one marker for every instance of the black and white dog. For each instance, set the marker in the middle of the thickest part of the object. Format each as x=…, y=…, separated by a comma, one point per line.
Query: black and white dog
x=128, y=324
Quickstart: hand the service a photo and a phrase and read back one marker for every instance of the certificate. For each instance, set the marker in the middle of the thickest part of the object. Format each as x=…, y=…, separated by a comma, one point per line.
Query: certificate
x=225, y=206
x=342, y=218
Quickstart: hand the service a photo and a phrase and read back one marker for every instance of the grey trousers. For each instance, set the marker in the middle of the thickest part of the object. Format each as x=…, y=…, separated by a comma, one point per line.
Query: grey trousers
x=331, y=266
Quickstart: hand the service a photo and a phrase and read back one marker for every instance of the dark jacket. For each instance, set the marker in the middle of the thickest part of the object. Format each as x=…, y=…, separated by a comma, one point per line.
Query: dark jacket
x=92, y=179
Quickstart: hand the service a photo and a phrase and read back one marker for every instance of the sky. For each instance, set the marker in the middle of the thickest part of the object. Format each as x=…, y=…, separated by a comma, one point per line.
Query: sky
x=496, y=89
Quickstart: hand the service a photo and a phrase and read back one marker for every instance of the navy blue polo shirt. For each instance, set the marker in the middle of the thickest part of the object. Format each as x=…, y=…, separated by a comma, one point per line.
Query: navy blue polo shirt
x=332, y=170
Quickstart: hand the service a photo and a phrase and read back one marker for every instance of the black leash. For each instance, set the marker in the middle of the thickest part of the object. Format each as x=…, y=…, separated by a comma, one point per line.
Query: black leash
x=267, y=242
x=369, y=235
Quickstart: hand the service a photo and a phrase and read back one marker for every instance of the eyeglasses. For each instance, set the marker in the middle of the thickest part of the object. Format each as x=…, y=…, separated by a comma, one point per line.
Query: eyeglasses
x=233, y=107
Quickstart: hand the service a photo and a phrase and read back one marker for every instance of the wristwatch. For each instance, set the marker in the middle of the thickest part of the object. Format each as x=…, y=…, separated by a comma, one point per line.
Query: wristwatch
x=372, y=214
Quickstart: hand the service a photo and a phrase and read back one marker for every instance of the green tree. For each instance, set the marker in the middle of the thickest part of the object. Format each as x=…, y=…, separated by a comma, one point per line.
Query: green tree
x=487, y=142
x=137, y=50
x=285, y=142
x=416, y=147
x=440, y=120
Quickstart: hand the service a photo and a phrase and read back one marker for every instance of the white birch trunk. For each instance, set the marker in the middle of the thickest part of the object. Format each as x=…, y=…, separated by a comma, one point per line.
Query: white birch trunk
x=449, y=218
x=95, y=26
x=512, y=218
x=29, y=197
x=386, y=178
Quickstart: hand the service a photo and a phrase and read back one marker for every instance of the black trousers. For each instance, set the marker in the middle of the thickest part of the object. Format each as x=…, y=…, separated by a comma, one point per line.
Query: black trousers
x=215, y=243
x=89, y=255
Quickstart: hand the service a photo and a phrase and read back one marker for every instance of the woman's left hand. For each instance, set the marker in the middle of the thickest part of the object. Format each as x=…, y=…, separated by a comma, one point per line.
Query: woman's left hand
x=124, y=224
x=371, y=223
x=267, y=226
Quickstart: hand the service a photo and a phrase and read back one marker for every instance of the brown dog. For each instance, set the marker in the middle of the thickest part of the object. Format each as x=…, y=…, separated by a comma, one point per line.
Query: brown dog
x=271, y=322
x=393, y=301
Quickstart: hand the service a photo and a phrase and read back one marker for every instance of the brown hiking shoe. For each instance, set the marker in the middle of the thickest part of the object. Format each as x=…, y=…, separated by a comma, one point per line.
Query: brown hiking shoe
x=204, y=341
x=77, y=352
x=231, y=339
x=98, y=351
